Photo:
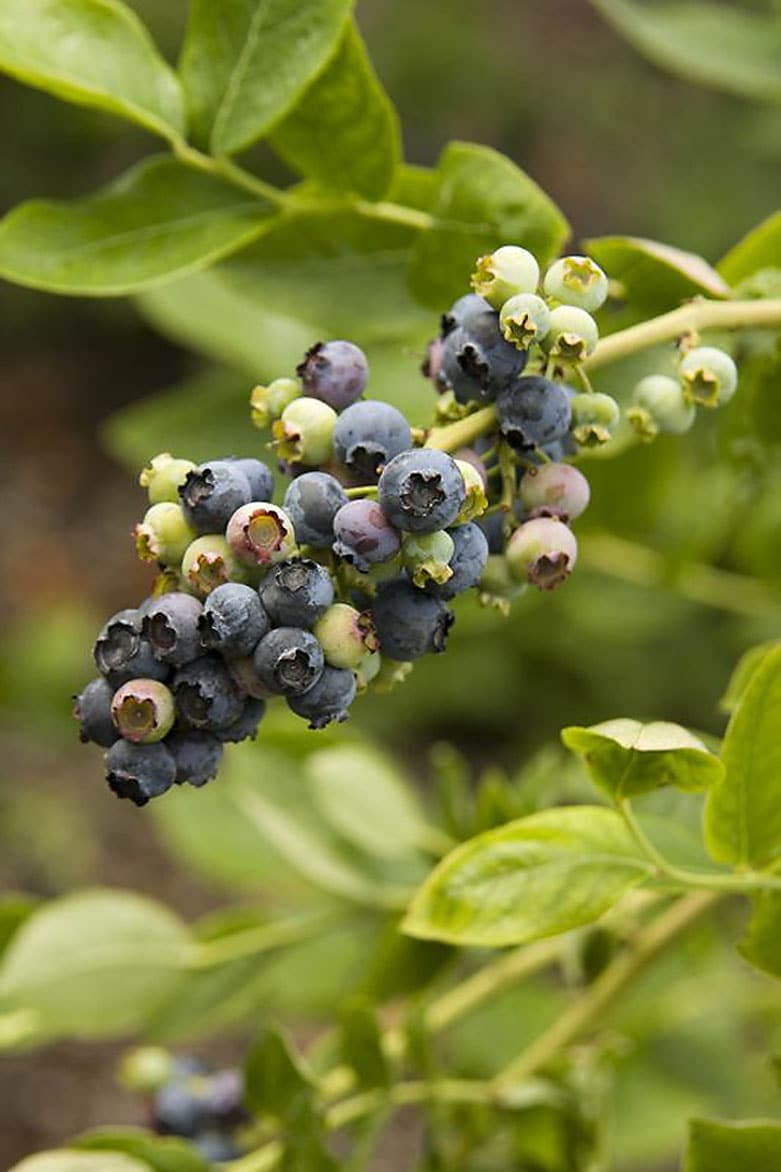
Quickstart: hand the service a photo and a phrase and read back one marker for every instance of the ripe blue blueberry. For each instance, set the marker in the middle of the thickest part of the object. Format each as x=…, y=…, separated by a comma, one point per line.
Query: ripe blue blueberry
x=554, y=490
x=369, y=434
x=259, y=475
x=470, y=553
x=421, y=491
x=206, y=694
x=328, y=699
x=196, y=753
x=312, y=501
x=246, y=726
x=216, y=1146
x=296, y=593
x=533, y=411
x=542, y=551
x=304, y=432
x=493, y=528
x=477, y=360
x=233, y=620
x=92, y=709
x=336, y=372
x=143, y=711
x=121, y=654
x=171, y=626
x=409, y=623
x=178, y=1108
x=463, y=313
x=139, y=772
x=363, y=535
x=212, y=493
x=288, y=661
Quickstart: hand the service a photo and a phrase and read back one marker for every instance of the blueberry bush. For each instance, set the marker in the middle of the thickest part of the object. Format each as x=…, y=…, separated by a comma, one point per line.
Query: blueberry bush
x=415, y=399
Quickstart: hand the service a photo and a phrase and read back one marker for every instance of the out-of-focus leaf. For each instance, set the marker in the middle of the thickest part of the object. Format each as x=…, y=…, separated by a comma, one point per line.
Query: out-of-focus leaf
x=344, y=131
x=245, y=63
x=625, y=757
x=483, y=201
x=14, y=910
x=276, y=1078
x=761, y=944
x=539, y=876
x=75, y=1161
x=160, y=1153
x=715, y=44
x=743, y=811
x=760, y=249
x=94, y=53
x=741, y=676
x=361, y=1045
x=158, y=221
x=750, y=1145
x=655, y=276
x=94, y=964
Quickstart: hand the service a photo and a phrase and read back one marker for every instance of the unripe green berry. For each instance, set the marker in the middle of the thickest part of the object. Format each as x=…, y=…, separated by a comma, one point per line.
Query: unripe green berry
x=146, y=1069
x=268, y=403
x=572, y=334
x=577, y=280
x=594, y=418
x=164, y=534
x=555, y=490
x=260, y=534
x=505, y=272
x=660, y=405
x=346, y=636
x=427, y=556
x=497, y=586
x=542, y=551
x=476, y=501
x=143, y=711
x=163, y=476
x=209, y=562
x=709, y=376
x=524, y=319
x=304, y=433
x=368, y=670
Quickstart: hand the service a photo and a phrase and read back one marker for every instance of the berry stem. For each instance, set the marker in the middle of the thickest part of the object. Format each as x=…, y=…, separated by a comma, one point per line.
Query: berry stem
x=585, y=1012
x=362, y=490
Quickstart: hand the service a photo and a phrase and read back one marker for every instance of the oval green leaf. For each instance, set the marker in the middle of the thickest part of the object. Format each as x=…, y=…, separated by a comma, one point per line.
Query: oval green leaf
x=729, y=48
x=159, y=1153
x=483, y=201
x=75, y=1161
x=655, y=276
x=750, y=1145
x=761, y=943
x=741, y=676
x=94, y=964
x=94, y=53
x=625, y=757
x=344, y=131
x=536, y=877
x=743, y=810
x=245, y=63
x=159, y=221
x=759, y=250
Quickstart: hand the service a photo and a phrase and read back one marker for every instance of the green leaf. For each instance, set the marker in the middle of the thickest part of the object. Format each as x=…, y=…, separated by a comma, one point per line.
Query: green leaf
x=74, y=1161
x=741, y=676
x=759, y=250
x=625, y=757
x=344, y=132
x=743, y=811
x=367, y=800
x=751, y=1146
x=483, y=201
x=158, y=221
x=761, y=943
x=536, y=877
x=15, y=908
x=94, y=53
x=729, y=48
x=245, y=63
x=655, y=276
x=277, y=1080
x=162, y=1154
x=360, y=1040
x=94, y=964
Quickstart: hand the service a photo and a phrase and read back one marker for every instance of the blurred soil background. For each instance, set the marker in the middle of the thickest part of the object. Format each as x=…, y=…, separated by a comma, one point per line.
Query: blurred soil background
x=621, y=146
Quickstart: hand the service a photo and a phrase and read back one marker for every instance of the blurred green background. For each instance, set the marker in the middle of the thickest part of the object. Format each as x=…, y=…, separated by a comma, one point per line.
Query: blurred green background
x=622, y=147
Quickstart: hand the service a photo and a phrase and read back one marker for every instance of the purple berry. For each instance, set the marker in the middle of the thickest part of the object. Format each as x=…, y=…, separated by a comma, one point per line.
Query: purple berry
x=336, y=372
x=364, y=536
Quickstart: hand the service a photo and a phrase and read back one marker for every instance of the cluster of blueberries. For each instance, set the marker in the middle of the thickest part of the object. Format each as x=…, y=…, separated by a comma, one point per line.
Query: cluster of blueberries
x=190, y=1099
x=346, y=582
